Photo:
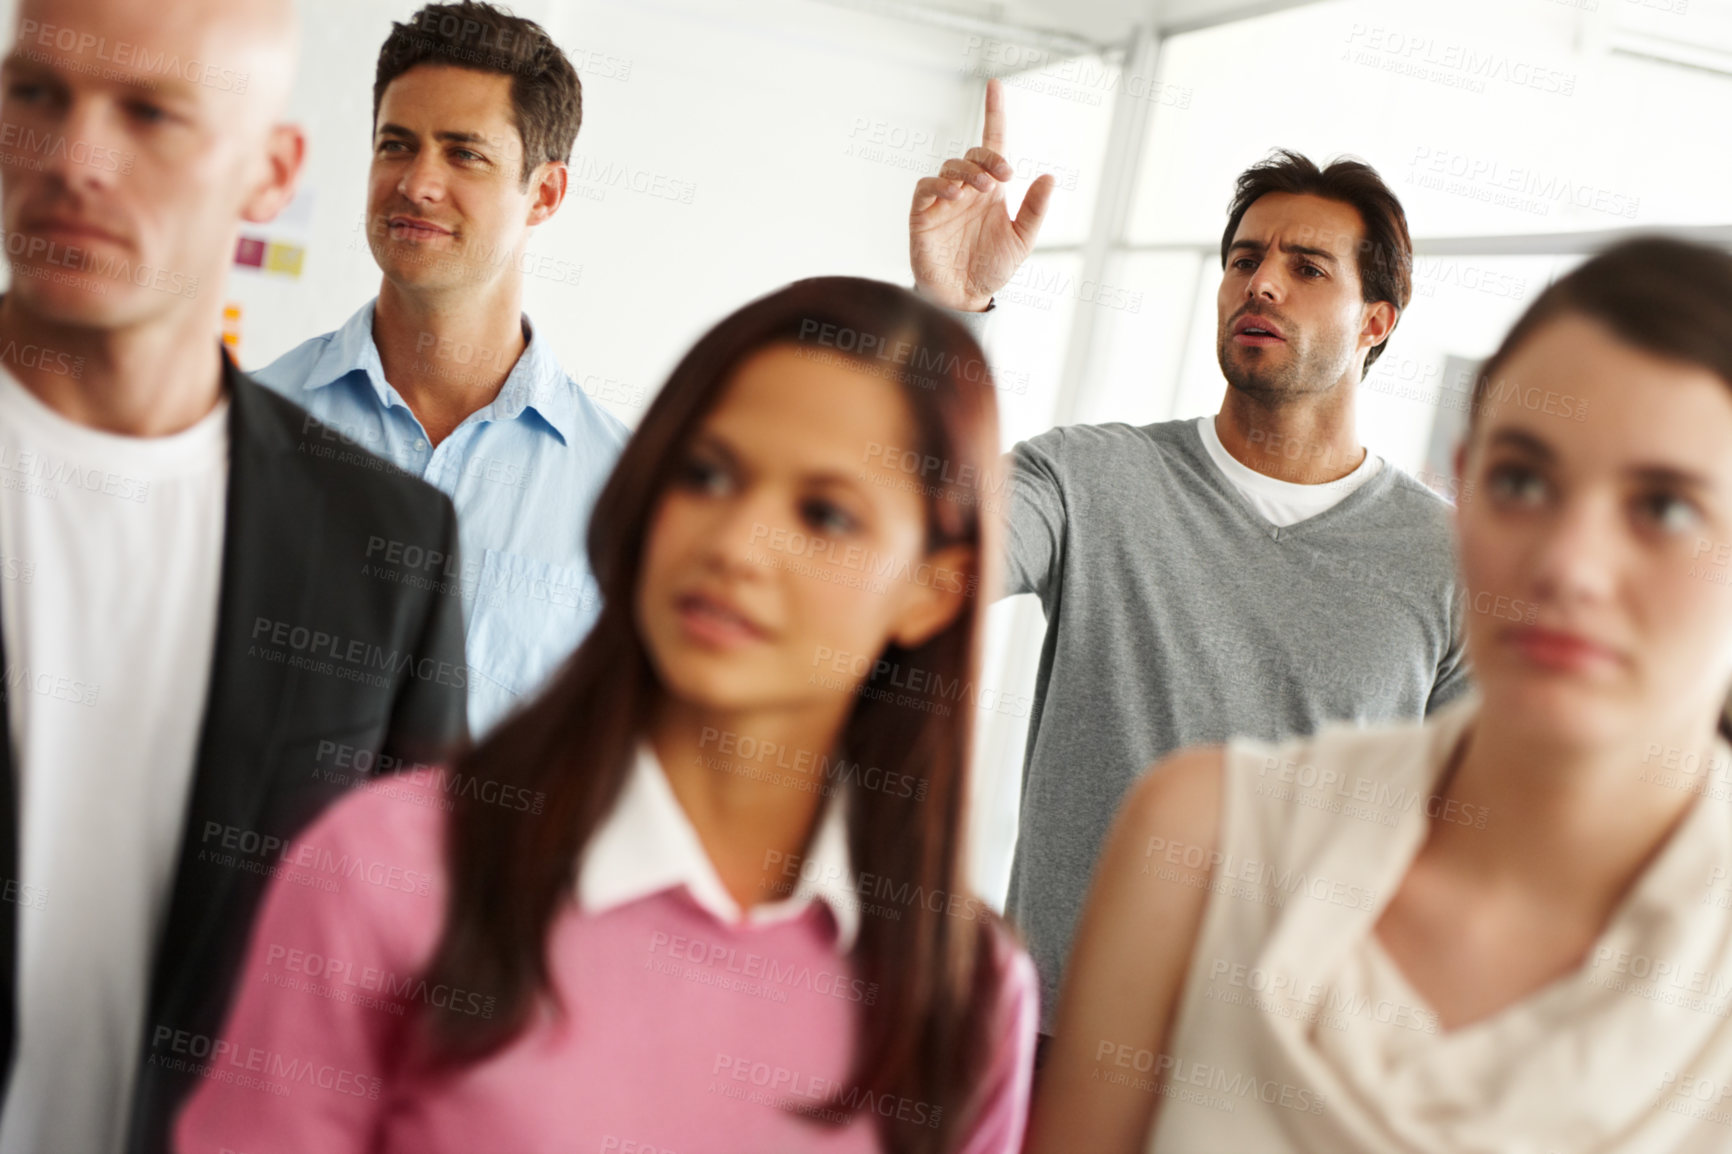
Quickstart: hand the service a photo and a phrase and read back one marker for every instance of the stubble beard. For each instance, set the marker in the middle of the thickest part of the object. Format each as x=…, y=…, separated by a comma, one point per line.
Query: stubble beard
x=1268, y=381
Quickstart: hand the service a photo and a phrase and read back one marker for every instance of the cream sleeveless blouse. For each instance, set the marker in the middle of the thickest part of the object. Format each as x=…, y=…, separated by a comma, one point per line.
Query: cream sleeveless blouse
x=1295, y=1032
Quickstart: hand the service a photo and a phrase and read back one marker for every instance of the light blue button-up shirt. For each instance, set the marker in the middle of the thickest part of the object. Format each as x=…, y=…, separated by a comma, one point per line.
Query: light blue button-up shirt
x=522, y=471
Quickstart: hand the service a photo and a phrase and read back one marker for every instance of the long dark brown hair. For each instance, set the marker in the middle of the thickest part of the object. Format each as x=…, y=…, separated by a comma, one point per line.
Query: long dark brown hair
x=1668, y=297
x=930, y=1035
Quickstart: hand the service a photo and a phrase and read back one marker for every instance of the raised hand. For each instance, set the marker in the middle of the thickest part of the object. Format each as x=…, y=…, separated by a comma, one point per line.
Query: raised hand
x=962, y=241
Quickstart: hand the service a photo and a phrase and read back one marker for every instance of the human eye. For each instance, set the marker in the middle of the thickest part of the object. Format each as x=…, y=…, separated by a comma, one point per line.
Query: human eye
x=1669, y=512
x=825, y=516
x=702, y=474
x=28, y=91
x=146, y=112
x=1515, y=484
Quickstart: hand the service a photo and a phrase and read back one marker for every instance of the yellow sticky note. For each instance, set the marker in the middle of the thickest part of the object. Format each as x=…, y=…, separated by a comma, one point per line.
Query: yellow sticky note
x=284, y=258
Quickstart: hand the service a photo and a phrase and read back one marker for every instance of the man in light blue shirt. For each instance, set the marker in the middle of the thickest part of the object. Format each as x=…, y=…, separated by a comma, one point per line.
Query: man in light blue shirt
x=474, y=115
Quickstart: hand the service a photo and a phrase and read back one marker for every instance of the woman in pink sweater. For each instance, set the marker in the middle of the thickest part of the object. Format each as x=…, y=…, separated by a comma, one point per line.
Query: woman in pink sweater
x=706, y=892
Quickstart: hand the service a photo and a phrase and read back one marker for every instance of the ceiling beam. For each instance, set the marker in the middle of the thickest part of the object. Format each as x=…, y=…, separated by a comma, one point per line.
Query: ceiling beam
x=1059, y=42
x=1177, y=17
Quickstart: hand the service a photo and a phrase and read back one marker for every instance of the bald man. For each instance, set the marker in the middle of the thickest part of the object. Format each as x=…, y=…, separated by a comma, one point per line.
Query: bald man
x=206, y=629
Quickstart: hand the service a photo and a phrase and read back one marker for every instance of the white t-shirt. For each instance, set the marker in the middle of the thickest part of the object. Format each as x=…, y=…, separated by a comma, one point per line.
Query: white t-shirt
x=110, y=559
x=1283, y=503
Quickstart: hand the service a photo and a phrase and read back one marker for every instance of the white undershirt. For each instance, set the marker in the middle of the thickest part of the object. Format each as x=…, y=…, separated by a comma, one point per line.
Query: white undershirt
x=110, y=558
x=1281, y=503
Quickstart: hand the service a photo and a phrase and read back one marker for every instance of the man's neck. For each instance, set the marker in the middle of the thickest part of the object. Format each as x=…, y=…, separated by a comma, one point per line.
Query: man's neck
x=1307, y=441
x=149, y=379
x=448, y=357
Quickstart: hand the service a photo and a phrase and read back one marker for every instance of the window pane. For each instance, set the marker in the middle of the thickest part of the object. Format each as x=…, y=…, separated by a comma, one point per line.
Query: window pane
x=1486, y=117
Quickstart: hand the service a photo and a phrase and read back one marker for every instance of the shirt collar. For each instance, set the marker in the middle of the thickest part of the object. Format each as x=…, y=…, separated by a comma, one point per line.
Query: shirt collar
x=647, y=844
x=536, y=382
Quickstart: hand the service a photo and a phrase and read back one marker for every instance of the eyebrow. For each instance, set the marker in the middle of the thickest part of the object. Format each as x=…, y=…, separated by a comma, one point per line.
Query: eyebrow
x=828, y=477
x=1668, y=476
x=1322, y=254
x=166, y=87
x=1523, y=441
x=705, y=439
x=15, y=65
x=1660, y=475
x=446, y=136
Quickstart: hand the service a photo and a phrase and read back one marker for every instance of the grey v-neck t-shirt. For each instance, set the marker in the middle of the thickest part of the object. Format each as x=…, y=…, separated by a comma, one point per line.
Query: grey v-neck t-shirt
x=1178, y=616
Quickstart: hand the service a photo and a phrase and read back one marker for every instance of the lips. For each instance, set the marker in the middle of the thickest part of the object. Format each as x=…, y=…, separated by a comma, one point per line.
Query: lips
x=415, y=227
x=69, y=229
x=1557, y=649
x=715, y=621
x=1253, y=327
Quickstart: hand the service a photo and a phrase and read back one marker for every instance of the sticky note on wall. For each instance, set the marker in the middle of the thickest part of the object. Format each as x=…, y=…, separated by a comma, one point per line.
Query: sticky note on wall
x=284, y=258
x=232, y=327
x=278, y=256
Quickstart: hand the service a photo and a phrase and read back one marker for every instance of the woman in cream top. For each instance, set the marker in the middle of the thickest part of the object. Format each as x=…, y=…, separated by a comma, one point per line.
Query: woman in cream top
x=1508, y=928
x=1296, y=1031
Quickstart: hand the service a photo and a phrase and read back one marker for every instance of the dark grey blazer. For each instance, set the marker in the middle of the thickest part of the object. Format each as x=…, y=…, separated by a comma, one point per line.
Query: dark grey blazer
x=380, y=669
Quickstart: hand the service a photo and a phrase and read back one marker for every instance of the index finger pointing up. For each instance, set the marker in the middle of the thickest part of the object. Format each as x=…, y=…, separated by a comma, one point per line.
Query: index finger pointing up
x=993, y=137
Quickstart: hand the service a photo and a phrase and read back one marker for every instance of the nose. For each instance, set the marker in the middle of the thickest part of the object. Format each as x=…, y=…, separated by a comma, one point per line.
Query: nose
x=423, y=179
x=743, y=533
x=1575, y=552
x=1265, y=283
x=81, y=149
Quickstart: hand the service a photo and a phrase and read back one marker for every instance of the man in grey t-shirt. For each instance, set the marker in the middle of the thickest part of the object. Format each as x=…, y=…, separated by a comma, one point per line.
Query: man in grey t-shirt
x=1253, y=573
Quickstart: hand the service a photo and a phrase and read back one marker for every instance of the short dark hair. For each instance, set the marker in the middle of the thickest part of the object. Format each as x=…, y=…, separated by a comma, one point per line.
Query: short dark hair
x=1385, y=251
x=546, y=96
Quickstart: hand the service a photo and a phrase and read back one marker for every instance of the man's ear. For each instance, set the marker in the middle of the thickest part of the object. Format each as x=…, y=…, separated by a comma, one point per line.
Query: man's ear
x=930, y=606
x=284, y=155
x=1380, y=318
x=547, y=185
